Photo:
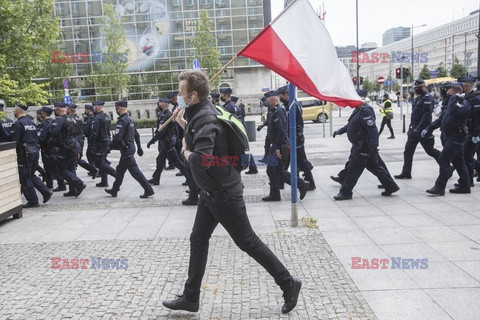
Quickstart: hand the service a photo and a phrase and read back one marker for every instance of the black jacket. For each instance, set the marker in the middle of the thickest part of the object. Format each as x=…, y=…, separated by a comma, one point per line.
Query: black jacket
x=209, y=142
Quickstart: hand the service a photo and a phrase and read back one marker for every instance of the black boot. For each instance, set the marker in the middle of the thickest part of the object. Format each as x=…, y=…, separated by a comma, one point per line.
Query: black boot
x=291, y=296
x=181, y=303
x=436, y=191
x=112, y=192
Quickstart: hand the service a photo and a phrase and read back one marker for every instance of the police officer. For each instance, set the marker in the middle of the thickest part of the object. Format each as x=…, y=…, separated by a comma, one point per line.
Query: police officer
x=100, y=137
x=64, y=133
x=172, y=96
x=47, y=150
x=303, y=163
x=362, y=132
x=422, y=108
x=5, y=124
x=228, y=105
x=279, y=150
x=166, y=150
x=24, y=133
x=124, y=140
x=238, y=112
x=387, y=115
x=87, y=128
x=215, y=98
x=265, y=123
x=453, y=123
x=72, y=115
x=221, y=199
x=473, y=124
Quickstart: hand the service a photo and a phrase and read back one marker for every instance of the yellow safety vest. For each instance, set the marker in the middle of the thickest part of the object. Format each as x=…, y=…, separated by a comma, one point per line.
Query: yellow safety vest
x=384, y=110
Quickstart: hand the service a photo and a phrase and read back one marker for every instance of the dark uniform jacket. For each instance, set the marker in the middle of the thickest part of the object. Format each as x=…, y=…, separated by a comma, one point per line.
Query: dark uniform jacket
x=422, y=112
x=87, y=127
x=207, y=142
x=277, y=132
x=124, y=138
x=43, y=131
x=453, y=120
x=170, y=133
x=5, y=127
x=473, y=122
x=64, y=135
x=230, y=107
x=299, y=125
x=100, y=133
x=361, y=129
x=24, y=132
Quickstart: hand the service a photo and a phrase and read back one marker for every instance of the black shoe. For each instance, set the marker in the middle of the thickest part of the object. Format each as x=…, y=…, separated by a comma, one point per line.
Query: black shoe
x=389, y=192
x=380, y=186
x=342, y=196
x=456, y=185
x=312, y=186
x=185, y=183
x=47, y=197
x=291, y=296
x=181, y=303
x=154, y=182
x=69, y=194
x=170, y=168
x=271, y=198
x=251, y=172
x=460, y=190
x=391, y=137
x=147, y=194
x=94, y=174
x=102, y=185
x=282, y=187
x=179, y=174
x=436, y=191
x=336, y=179
x=190, y=202
x=403, y=176
x=80, y=190
x=303, y=189
x=59, y=189
x=112, y=192
x=30, y=205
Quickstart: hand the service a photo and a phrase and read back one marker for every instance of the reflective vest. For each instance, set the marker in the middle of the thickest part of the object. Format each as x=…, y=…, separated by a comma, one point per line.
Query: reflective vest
x=384, y=110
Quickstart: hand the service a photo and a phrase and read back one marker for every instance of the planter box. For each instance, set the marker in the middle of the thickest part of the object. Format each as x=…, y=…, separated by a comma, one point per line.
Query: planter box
x=10, y=196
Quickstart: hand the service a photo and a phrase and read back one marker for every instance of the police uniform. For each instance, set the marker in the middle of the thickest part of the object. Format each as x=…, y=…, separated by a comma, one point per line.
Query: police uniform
x=87, y=128
x=100, y=137
x=81, y=140
x=24, y=133
x=278, y=136
x=228, y=104
x=124, y=140
x=63, y=131
x=421, y=117
x=47, y=151
x=453, y=123
x=180, y=132
x=363, y=134
x=473, y=124
x=5, y=124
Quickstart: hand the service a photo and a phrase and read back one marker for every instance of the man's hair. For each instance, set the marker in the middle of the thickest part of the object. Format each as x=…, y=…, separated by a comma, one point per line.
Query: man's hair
x=196, y=81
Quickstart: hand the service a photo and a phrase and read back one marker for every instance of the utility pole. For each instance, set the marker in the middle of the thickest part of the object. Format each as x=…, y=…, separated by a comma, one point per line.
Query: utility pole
x=478, y=46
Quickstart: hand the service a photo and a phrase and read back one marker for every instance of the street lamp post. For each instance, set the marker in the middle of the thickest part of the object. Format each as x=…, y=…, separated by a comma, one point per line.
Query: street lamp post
x=423, y=25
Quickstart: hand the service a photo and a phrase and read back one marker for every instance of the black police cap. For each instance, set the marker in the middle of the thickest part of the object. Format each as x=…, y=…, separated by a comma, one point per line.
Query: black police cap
x=234, y=99
x=166, y=100
x=98, y=103
x=283, y=89
x=46, y=110
x=271, y=94
x=419, y=82
x=449, y=85
x=362, y=93
x=467, y=79
x=21, y=106
x=215, y=95
x=226, y=90
x=71, y=105
x=89, y=107
x=59, y=104
x=172, y=94
x=121, y=104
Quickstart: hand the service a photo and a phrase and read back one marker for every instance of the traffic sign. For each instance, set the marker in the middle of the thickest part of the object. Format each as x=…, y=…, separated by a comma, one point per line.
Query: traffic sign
x=381, y=80
x=196, y=64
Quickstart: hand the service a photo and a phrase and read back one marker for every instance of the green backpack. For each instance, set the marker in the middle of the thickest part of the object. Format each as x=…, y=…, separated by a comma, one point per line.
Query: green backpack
x=237, y=136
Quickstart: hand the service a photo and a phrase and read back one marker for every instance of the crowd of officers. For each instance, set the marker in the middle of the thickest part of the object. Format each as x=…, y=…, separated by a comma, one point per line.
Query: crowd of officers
x=60, y=143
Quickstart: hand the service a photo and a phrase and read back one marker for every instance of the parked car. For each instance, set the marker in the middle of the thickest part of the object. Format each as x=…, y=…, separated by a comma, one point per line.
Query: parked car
x=313, y=110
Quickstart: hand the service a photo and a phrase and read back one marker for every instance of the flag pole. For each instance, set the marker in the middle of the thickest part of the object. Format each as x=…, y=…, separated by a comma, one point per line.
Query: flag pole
x=292, y=100
x=211, y=80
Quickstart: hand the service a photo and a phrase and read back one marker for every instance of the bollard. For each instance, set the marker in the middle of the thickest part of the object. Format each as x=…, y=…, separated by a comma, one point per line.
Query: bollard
x=403, y=123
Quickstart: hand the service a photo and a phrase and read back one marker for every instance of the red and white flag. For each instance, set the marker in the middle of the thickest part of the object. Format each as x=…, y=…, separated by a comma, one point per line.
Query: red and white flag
x=297, y=46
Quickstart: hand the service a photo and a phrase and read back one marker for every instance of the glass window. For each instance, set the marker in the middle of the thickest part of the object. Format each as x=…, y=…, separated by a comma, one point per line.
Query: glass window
x=190, y=3
x=90, y=7
x=75, y=7
x=58, y=8
x=176, y=3
x=221, y=3
x=252, y=2
x=206, y=2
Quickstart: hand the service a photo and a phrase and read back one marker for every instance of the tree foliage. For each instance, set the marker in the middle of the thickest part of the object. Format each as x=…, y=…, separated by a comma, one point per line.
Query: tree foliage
x=27, y=33
x=425, y=73
x=458, y=70
x=205, y=49
x=442, y=71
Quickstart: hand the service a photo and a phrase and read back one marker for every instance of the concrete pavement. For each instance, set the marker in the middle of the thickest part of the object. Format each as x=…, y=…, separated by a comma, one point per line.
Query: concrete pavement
x=153, y=235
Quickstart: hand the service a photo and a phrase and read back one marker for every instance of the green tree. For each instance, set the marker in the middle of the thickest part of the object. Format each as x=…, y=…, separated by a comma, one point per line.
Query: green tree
x=442, y=71
x=425, y=73
x=27, y=32
x=367, y=85
x=458, y=70
x=109, y=78
x=205, y=50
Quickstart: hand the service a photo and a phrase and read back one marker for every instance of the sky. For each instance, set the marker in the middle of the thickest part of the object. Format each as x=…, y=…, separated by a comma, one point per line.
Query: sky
x=377, y=16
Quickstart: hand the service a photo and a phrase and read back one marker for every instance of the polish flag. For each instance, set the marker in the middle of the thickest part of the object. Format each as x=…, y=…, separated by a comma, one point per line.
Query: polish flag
x=297, y=46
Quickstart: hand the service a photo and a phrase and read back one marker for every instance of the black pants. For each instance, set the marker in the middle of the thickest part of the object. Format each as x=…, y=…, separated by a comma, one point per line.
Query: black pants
x=66, y=165
x=277, y=172
x=304, y=165
x=48, y=160
x=128, y=162
x=387, y=122
x=228, y=209
x=84, y=164
x=357, y=162
x=452, y=153
x=104, y=168
x=469, y=150
x=28, y=180
x=427, y=143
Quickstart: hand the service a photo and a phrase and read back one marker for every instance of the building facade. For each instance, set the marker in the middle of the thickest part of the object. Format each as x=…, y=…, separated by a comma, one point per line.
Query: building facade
x=159, y=34
x=395, y=34
x=440, y=45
